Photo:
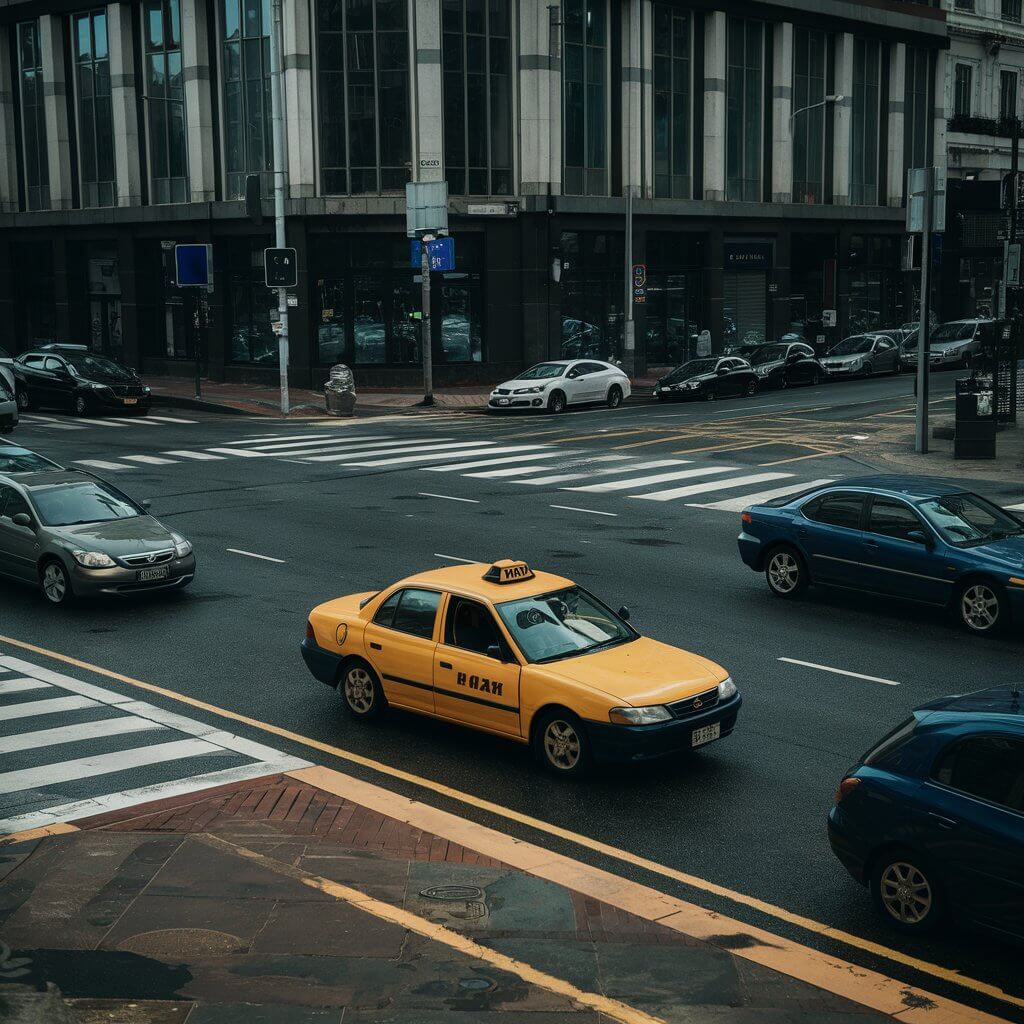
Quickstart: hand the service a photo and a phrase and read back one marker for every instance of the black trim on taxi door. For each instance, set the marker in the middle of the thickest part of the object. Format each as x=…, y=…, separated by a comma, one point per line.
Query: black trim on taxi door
x=451, y=693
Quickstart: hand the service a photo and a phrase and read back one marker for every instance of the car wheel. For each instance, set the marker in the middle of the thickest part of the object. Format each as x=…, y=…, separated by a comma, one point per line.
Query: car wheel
x=556, y=403
x=869, y=370
x=710, y=395
x=560, y=744
x=56, y=586
x=79, y=406
x=905, y=892
x=25, y=404
x=750, y=389
x=614, y=396
x=982, y=607
x=361, y=691
x=815, y=379
x=786, y=573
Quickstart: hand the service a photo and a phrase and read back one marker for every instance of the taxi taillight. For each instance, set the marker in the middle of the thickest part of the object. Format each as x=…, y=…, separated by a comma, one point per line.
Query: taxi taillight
x=846, y=787
x=310, y=635
x=746, y=519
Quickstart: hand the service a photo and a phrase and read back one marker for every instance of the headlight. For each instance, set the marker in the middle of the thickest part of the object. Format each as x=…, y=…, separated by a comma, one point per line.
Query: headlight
x=146, y=389
x=98, y=387
x=692, y=384
x=93, y=559
x=726, y=688
x=856, y=364
x=529, y=391
x=639, y=716
x=761, y=371
x=181, y=546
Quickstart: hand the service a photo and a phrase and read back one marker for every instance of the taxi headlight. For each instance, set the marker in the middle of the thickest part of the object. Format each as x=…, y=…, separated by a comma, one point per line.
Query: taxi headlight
x=726, y=688
x=93, y=559
x=639, y=716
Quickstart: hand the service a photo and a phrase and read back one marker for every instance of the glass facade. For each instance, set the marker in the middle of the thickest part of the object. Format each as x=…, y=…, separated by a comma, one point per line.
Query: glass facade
x=250, y=304
x=592, y=294
x=865, y=127
x=917, y=116
x=245, y=74
x=95, y=122
x=672, y=98
x=875, y=286
x=744, y=109
x=363, y=96
x=675, y=296
x=476, y=55
x=585, y=97
x=35, y=164
x=165, y=101
x=809, y=115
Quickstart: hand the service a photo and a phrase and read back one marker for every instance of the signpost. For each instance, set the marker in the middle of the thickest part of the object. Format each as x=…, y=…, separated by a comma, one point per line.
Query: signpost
x=639, y=283
x=281, y=252
x=193, y=268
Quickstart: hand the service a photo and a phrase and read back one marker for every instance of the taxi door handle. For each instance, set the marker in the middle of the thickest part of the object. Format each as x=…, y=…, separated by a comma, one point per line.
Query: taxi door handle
x=445, y=664
x=375, y=647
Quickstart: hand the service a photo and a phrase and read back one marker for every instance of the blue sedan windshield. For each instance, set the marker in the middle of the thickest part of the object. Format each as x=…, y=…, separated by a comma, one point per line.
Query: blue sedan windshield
x=964, y=519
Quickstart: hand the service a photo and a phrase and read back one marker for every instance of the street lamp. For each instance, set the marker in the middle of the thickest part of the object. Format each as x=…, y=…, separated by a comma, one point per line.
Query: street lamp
x=837, y=98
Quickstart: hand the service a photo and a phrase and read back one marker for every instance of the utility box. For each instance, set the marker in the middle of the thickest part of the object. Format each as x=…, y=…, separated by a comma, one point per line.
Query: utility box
x=975, y=433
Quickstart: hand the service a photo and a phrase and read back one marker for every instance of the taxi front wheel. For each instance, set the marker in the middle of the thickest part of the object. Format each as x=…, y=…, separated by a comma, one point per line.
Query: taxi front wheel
x=560, y=744
x=361, y=691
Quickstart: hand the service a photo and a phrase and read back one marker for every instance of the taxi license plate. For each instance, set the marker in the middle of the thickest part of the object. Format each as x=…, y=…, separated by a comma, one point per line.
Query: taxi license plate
x=131, y=401
x=705, y=734
x=157, y=573
x=502, y=401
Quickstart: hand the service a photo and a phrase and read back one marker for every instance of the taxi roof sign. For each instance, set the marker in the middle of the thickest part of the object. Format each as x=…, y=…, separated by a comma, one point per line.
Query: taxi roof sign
x=508, y=571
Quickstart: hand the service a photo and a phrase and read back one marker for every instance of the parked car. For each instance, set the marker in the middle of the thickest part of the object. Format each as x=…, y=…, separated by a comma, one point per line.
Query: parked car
x=711, y=378
x=785, y=363
x=15, y=459
x=931, y=819
x=863, y=355
x=8, y=406
x=953, y=345
x=71, y=378
x=7, y=368
x=559, y=383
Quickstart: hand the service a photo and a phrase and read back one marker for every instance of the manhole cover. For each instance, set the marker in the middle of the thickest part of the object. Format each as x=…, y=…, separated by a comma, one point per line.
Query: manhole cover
x=475, y=984
x=452, y=892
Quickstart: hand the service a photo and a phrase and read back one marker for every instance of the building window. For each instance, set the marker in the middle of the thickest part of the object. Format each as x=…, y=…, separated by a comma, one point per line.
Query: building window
x=744, y=109
x=962, y=91
x=251, y=304
x=672, y=91
x=363, y=71
x=1011, y=10
x=477, y=97
x=35, y=166
x=165, y=102
x=865, y=123
x=585, y=97
x=95, y=110
x=809, y=115
x=917, y=116
x=248, y=146
x=965, y=5
x=1008, y=95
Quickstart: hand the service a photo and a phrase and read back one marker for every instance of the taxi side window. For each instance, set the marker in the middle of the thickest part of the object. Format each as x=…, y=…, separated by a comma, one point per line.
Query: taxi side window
x=416, y=612
x=386, y=612
x=471, y=626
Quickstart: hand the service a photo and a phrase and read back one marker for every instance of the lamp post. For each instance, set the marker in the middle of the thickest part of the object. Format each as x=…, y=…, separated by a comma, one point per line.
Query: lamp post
x=836, y=98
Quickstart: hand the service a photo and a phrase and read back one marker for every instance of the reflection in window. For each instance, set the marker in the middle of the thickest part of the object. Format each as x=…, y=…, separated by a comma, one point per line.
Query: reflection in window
x=95, y=110
x=331, y=335
x=33, y=117
x=671, y=103
x=252, y=339
x=809, y=115
x=477, y=97
x=584, y=97
x=460, y=331
x=744, y=112
x=368, y=319
x=406, y=322
x=865, y=122
x=165, y=101
x=363, y=72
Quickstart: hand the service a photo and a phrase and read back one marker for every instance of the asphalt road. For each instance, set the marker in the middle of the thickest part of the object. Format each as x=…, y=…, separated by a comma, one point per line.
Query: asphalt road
x=747, y=813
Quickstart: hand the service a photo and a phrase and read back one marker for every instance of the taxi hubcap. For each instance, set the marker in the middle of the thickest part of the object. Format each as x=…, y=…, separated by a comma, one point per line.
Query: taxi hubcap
x=783, y=572
x=359, y=690
x=562, y=745
x=906, y=893
x=54, y=584
x=980, y=607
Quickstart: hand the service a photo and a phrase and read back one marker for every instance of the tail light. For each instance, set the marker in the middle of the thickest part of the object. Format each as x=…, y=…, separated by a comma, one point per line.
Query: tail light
x=310, y=635
x=746, y=519
x=846, y=787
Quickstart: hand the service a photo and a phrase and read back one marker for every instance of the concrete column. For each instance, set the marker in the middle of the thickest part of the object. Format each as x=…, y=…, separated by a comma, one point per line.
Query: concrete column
x=428, y=139
x=782, y=108
x=636, y=77
x=940, y=113
x=647, y=105
x=842, y=121
x=896, y=174
x=298, y=100
x=715, y=26
x=201, y=143
x=127, y=138
x=56, y=98
x=538, y=133
x=8, y=147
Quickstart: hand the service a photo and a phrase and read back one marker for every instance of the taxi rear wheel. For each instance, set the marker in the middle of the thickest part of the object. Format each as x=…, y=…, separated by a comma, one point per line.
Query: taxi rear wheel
x=361, y=691
x=785, y=572
x=560, y=744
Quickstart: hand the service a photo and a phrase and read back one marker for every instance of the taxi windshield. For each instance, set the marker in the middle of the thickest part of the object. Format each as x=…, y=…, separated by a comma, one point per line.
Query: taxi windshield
x=562, y=624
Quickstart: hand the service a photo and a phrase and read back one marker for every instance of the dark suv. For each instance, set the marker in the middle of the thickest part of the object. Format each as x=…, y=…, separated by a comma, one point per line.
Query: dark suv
x=71, y=378
x=932, y=818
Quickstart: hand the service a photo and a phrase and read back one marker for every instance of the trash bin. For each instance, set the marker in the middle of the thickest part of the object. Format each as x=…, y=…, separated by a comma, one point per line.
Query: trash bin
x=975, y=433
x=340, y=392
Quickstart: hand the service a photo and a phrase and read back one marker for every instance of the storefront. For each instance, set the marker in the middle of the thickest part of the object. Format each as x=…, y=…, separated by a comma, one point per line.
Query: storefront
x=593, y=292
x=873, y=285
x=674, y=307
x=745, y=316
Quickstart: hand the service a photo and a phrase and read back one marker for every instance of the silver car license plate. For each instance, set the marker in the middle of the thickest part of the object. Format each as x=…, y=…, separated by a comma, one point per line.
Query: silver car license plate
x=705, y=734
x=502, y=401
x=157, y=573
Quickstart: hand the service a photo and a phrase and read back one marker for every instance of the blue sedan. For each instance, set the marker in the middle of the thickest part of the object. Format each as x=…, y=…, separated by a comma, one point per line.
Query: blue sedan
x=932, y=818
x=908, y=537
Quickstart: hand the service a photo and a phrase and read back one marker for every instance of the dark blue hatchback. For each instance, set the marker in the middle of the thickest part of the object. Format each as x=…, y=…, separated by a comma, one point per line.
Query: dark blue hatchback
x=932, y=818
x=908, y=537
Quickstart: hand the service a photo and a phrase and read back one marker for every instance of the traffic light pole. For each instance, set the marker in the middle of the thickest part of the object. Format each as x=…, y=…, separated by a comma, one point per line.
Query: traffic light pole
x=923, y=352
x=425, y=338
x=277, y=113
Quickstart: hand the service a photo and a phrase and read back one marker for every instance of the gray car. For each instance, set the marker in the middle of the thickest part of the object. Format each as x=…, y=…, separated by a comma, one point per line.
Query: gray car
x=72, y=534
x=862, y=355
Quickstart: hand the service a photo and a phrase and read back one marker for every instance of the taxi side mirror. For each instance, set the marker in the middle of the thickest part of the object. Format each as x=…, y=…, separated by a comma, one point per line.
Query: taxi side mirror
x=624, y=613
x=494, y=651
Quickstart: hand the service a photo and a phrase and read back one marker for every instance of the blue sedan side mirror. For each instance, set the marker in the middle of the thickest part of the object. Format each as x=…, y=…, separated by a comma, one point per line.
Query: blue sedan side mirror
x=919, y=537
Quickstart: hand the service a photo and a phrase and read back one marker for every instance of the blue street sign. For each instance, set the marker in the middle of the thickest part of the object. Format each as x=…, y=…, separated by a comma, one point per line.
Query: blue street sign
x=193, y=265
x=440, y=253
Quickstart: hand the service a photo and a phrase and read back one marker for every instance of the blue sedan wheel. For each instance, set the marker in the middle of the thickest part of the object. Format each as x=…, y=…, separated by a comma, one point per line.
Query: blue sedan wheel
x=905, y=893
x=982, y=607
x=786, y=573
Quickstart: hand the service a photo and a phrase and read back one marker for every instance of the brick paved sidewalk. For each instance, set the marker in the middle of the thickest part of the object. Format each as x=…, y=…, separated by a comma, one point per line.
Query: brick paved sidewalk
x=274, y=902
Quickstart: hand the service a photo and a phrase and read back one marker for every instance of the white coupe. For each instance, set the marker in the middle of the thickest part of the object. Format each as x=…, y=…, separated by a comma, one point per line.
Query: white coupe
x=559, y=383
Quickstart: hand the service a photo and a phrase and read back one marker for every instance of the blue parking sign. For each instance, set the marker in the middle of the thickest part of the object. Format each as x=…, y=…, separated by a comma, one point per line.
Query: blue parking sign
x=193, y=265
x=440, y=254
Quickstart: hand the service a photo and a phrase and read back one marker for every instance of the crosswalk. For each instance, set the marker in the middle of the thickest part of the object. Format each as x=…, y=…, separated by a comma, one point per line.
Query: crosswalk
x=718, y=487
x=112, y=423
x=70, y=749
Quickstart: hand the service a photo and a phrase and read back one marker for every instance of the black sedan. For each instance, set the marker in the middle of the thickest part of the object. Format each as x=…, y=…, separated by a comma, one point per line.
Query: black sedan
x=784, y=363
x=711, y=378
x=71, y=378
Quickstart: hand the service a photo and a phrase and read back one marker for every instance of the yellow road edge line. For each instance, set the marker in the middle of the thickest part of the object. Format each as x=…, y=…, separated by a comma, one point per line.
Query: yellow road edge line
x=594, y=845
x=437, y=933
x=58, y=829
x=800, y=458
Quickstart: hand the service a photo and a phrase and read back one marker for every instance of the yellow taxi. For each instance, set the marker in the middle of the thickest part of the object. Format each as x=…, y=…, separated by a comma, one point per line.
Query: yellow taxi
x=526, y=655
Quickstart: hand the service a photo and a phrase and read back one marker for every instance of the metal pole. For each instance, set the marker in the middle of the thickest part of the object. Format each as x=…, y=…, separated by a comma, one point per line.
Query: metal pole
x=923, y=353
x=428, y=363
x=196, y=336
x=277, y=113
x=629, y=327
x=1014, y=171
x=554, y=93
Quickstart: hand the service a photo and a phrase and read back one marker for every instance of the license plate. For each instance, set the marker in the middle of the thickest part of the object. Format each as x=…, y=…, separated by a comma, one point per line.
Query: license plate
x=131, y=401
x=705, y=734
x=502, y=401
x=157, y=573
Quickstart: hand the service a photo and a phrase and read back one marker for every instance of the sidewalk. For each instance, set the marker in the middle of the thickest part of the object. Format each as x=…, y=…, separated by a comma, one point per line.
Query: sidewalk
x=295, y=899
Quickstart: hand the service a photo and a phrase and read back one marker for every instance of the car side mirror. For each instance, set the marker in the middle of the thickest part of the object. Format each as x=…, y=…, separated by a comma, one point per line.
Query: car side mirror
x=624, y=613
x=722, y=371
x=494, y=651
x=919, y=537
x=146, y=504
x=21, y=519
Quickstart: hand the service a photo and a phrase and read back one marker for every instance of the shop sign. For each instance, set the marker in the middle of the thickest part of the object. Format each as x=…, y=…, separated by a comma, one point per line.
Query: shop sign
x=748, y=255
x=639, y=282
